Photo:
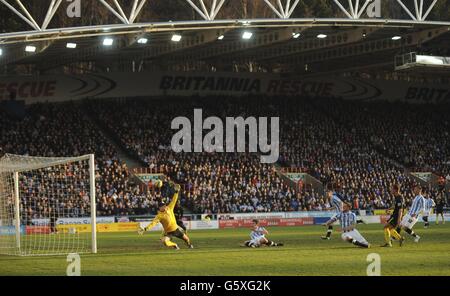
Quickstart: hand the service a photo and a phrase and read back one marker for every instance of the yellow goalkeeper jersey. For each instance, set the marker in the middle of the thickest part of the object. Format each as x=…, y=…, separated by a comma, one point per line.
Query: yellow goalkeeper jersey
x=166, y=218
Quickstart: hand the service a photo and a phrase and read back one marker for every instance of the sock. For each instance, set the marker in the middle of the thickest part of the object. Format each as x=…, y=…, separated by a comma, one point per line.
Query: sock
x=387, y=235
x=188, y=242
x=272, y=244
x=395, y=234
x=425, y=219
x=329, y=231
x=410, y=232
x=356, y=243
x=170, y=243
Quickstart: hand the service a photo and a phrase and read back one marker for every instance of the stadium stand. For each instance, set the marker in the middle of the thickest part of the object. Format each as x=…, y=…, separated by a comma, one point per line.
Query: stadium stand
x=352, y=143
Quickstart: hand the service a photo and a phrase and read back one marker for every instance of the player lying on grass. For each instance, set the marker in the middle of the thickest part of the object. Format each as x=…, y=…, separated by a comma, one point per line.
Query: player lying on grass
x=395, y=218
x=167, y=219
x=258, y=237
x=410, y=219
x=348, y=223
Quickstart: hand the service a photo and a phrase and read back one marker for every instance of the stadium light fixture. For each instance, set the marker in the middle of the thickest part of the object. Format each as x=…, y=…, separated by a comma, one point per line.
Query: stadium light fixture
x=71, y=45
x=321, y=36
x=396, y=38
x=247, y=35
x=220, y=37
x=176, y=37
x=30, y=48
x=1, y=51
x=295, y=35
x=142, y=40
x=108, y=41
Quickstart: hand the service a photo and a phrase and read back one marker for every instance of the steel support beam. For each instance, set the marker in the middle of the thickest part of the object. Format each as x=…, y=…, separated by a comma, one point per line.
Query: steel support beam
x=119, y=8
x=352, y=10
x=201, y=13
x=406, y=10
x=343, y=9
x=293, y=8
x=26, y=19
x=136, y=12
x=217, y=9
x=52, y=11
x=424, y=17
x=278, y=13
x=28, y=14
x=122, y=19
x=363, y=8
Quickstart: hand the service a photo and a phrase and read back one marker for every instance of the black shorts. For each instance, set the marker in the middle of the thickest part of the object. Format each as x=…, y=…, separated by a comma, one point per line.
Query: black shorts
x=393, y=221
x=439, y=211
x=179, y=233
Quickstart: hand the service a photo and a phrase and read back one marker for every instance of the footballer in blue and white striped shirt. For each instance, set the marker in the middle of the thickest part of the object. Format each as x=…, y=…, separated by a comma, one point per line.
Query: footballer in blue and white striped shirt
x=429, y=204
x=348, y=224
x=336, y=204
x=258, y=237
x=410, y=219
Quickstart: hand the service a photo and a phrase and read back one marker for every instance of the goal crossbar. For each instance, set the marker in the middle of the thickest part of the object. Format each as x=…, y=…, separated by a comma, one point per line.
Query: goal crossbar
x=16, y=163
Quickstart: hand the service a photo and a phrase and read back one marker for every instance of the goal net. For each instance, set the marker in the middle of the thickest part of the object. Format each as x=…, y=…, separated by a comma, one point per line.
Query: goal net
x=47, y=205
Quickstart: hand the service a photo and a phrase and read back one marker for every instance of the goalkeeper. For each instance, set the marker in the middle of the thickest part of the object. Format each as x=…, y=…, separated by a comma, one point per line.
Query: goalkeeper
x=167, y=190
x=167, y=219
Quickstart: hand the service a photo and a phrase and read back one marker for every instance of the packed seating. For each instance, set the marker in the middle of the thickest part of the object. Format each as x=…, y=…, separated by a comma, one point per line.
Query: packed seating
x=365, y=147
x=55, y=130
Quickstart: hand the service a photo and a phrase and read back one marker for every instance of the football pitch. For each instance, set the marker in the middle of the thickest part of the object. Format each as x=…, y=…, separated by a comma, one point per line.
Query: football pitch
x=217, y=252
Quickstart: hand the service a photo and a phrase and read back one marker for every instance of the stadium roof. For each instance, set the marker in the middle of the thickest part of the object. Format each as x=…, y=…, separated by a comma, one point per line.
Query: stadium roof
x=275, y=44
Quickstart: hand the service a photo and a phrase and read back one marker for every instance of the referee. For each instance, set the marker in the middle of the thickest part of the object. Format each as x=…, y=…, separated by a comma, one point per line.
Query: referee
x=440, y=204
x=395, y=218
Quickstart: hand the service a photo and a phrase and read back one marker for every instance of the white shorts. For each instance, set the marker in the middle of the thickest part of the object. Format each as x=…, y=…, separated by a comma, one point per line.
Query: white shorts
x=426, y=213
x=354, y=234
x=257, y=240
x=408, y=221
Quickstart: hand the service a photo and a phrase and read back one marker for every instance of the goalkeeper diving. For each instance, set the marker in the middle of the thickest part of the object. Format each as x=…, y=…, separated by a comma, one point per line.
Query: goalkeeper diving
x=168, y=221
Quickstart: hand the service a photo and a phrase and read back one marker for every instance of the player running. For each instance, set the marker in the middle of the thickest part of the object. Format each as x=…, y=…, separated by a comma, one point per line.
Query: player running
x=348, y=225
x=166, y=217
x=336, y=204
x=394, y=219
x=258, y=237
x=410, y=219
x=429, y=204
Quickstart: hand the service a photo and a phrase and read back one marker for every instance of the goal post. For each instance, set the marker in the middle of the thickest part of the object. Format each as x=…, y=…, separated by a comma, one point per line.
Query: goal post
x=93, y=205
x=47, y=205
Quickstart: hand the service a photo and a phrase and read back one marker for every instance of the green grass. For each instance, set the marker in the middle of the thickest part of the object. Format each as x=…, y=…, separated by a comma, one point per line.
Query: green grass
x=218, y=252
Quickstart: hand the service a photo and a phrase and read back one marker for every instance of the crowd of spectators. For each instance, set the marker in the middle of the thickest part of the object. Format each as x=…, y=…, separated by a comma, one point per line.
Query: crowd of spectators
x=61, y=130
x=364, y=146
x=330, y=139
